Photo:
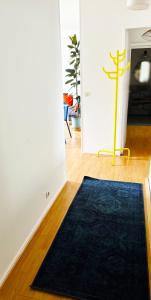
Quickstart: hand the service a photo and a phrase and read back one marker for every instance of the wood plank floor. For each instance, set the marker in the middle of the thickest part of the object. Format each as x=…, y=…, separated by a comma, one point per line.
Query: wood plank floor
x=139, y=140
x=17, y=286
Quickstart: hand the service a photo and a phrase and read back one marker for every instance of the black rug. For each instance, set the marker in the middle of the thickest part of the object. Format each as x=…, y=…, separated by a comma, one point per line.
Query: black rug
x=100, y=249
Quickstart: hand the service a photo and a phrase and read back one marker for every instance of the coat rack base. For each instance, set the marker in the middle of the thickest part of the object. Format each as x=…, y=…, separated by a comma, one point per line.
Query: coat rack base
x=113, y=153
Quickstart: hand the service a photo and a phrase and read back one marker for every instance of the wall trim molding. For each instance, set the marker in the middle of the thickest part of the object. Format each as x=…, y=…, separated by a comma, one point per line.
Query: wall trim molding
x=30, y=236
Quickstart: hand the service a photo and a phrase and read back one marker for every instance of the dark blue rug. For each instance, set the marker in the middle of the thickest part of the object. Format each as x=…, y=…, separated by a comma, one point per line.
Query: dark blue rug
x=100, y=249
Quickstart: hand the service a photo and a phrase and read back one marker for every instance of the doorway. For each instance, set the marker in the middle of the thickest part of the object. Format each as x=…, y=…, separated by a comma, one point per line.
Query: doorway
x=70, y=45
x=139, y=107
x=138, y=128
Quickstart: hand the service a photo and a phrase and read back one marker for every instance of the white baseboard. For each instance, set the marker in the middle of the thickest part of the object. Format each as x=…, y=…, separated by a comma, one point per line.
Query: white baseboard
x=29, y=237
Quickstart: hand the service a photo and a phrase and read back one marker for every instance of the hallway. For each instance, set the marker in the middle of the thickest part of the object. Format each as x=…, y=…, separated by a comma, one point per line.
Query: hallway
x=17, y=286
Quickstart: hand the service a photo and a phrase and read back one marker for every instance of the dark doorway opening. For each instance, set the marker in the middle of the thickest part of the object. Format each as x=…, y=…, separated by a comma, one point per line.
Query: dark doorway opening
x=139, y=108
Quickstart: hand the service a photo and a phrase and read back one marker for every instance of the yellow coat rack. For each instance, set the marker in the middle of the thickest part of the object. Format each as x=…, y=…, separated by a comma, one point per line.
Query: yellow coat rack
x=115, y=75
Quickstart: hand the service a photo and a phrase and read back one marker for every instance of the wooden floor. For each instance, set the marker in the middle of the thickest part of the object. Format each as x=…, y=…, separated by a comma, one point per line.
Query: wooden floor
x=17, y=286
x=139, y=140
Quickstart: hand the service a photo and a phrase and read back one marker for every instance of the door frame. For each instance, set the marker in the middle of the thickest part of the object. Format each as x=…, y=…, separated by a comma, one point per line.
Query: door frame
x=126, y=81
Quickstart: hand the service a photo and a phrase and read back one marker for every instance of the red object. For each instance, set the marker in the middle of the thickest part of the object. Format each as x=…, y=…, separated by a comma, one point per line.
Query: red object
x=68, y=99
x=65, y=97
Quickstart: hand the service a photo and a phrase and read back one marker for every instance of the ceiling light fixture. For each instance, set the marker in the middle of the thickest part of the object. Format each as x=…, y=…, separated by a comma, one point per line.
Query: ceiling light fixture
x=138, y=4
x=147, y=35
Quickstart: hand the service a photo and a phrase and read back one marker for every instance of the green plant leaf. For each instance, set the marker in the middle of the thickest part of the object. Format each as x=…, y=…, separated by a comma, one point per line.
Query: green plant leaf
x=74, y=39
x=73, y=53
x=76, y=66
x=72, y=62
x=70, y=70
x=69, y=81
x=70, y=46
x=71, y=75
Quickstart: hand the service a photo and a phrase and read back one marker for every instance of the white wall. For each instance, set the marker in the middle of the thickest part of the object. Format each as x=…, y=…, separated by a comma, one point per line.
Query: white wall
x=69, y=20
x=103, y=25
x=32, y=158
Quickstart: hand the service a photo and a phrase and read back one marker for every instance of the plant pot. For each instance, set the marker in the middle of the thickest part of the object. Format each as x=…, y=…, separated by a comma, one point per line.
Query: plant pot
x=76, y=122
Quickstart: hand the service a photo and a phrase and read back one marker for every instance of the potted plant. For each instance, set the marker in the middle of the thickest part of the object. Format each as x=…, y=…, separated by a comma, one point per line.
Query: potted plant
x=73, y=75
